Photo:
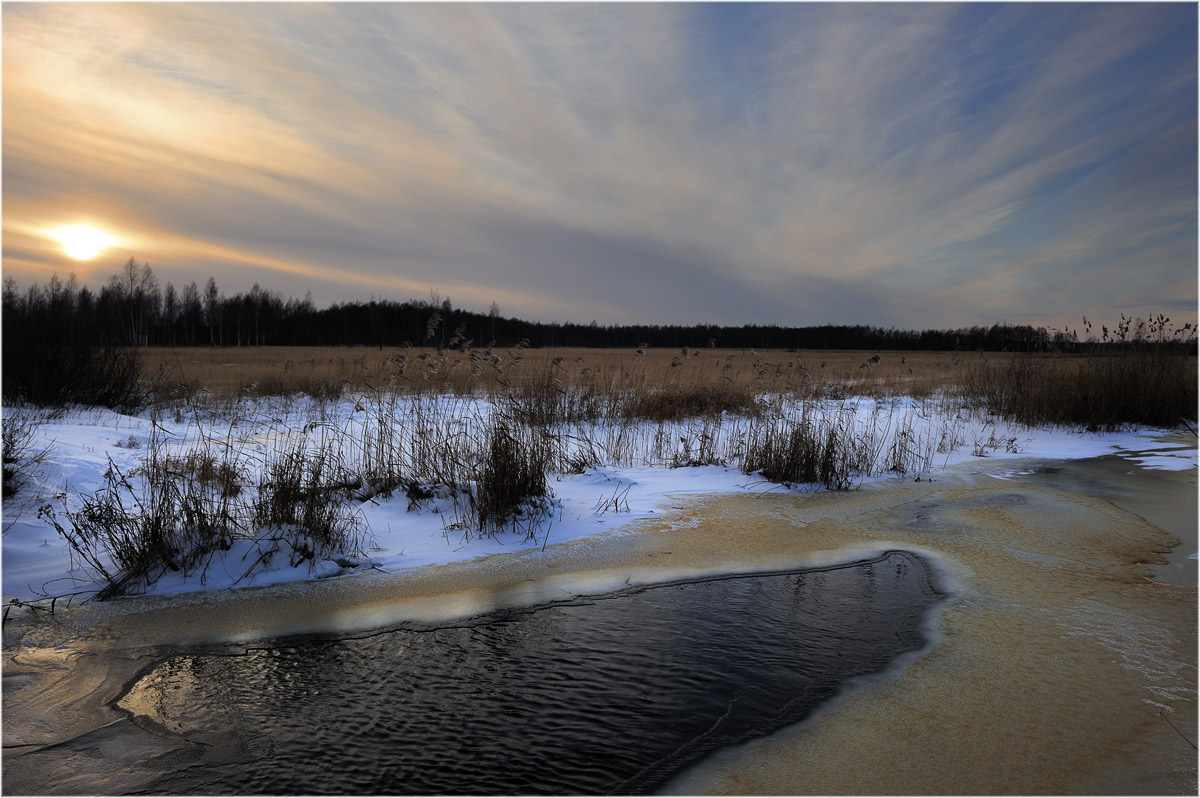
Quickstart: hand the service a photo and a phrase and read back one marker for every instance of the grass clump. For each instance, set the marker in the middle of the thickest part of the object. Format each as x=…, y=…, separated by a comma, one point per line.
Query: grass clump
x=129, y=538
x=178, y=511
x=511, y=485
x=540, y=399
x=807, y=450
x=301, y=498
x=673, y=402
x=699, y=444
x=204, y=467
x=1142, y=373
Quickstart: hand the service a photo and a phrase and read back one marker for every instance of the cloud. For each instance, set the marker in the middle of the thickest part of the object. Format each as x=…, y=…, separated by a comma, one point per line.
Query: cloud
x=917, y=165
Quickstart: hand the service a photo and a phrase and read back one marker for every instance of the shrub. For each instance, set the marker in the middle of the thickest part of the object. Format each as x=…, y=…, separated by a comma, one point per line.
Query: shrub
x=53, y=375
x=18, y=430
x=51, y=359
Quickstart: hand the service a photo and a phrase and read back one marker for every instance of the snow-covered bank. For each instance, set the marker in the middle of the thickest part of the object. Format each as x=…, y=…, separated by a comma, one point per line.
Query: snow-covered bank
x=633, y=480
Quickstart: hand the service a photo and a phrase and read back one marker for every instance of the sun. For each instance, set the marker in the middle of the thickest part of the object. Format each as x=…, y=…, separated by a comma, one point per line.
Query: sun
x=82, y=241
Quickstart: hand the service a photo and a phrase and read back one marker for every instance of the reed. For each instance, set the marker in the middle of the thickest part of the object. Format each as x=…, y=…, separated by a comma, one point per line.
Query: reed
x=301, y=509
x=808, y=448
x=128, y=535
x=510, y=485
x=601, y=378
x=178, y=510
x=1097, y=392
x=474, y=434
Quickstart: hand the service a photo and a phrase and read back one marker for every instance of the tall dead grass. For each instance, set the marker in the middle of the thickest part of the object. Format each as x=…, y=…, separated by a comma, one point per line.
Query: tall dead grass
x=178, y=510
x=1150, y=386
x=808, y=451
x=598, y=379
x=167, y=516
x=473, y=434
x=510, y=485
x=1096, y=392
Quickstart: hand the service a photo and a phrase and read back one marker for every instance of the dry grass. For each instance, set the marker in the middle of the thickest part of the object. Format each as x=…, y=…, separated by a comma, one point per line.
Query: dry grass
x=1151, y=388
x=325, y=371
x=511, y=479
x=560, y=384
x=807, y=451
x=416, y=425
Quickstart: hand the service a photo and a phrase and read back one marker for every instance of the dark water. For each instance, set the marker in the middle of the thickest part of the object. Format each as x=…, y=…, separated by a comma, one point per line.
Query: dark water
x=606, y=695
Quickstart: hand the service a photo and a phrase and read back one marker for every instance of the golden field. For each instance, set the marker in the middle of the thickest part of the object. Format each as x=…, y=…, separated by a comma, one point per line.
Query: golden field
x=321, y=371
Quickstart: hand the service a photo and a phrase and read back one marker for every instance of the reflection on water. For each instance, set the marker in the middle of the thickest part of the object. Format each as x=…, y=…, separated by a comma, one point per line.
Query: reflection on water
x=605, y=695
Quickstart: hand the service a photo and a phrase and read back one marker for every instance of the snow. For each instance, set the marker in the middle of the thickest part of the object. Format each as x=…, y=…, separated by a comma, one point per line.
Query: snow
x=1163, y=459
x=605, y=500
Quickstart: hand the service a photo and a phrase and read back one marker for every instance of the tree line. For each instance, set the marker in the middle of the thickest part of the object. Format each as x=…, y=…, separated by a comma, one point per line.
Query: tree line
x=134, y=310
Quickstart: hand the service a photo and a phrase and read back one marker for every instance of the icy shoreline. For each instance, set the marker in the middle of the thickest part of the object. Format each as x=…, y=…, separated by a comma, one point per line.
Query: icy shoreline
x=605, y=499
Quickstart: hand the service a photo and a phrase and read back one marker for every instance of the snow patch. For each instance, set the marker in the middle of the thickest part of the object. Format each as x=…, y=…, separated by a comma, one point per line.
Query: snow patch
x=601, y=500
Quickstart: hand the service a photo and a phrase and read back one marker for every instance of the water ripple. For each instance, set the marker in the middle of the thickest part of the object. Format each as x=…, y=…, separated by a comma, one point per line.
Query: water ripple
x=612, y=695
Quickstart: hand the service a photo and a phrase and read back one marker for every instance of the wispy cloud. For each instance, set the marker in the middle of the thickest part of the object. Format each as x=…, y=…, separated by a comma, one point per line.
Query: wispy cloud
x=899, y=164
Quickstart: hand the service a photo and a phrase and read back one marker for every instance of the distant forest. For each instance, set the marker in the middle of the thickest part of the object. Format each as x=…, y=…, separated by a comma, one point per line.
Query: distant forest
x=133, y=309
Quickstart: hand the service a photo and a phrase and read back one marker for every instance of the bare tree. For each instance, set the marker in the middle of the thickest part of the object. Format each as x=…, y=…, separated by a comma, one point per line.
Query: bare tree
x=170, y=310
x=212, y=312
x=192, y=311
x=136, y=290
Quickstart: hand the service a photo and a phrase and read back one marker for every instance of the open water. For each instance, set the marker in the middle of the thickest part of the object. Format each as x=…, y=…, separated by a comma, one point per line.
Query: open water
x=605, y=695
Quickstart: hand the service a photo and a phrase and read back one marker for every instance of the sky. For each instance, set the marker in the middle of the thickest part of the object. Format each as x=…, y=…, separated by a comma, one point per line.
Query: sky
x=909, y=165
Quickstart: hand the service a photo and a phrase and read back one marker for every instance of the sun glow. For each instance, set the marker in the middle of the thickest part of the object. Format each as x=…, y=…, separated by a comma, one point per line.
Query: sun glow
x=82, y=241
